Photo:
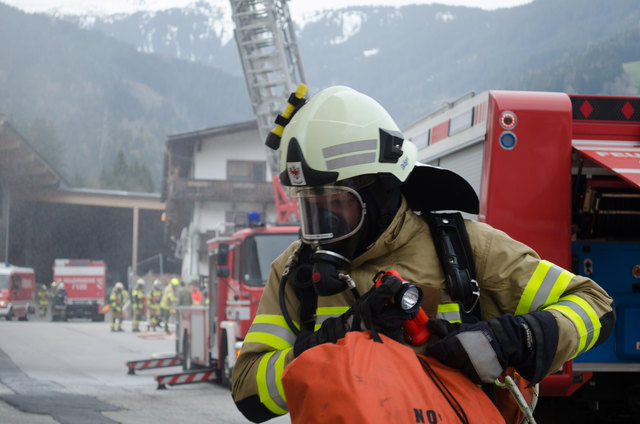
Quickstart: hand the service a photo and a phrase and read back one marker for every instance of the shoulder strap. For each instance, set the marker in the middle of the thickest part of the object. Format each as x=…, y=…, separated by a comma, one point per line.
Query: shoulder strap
x=452, y=244
x=303, y=287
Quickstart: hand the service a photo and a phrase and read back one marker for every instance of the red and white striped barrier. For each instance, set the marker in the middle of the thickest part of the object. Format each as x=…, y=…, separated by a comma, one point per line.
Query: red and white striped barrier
x=145, y=364
x=186, y=377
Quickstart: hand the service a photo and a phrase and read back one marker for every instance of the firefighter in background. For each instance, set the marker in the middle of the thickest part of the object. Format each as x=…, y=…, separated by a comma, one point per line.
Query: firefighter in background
x=137, y=301
x=196, y=294
x=184, y=295
x=43, y=300
x=154, y=297
x=168, y=300
x=358, y=183
x=52, y=296
x=117, y=300
x=60, y=304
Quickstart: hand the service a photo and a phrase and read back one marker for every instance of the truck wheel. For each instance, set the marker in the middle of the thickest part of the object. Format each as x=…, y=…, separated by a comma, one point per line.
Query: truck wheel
x=225, y=369
x=9, y=315
x=186, y=352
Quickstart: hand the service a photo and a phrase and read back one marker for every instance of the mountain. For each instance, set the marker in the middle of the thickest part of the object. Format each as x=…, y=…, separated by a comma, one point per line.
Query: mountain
x=411, y=58
x=126, y=81
x=101, y=96
x=201, y=32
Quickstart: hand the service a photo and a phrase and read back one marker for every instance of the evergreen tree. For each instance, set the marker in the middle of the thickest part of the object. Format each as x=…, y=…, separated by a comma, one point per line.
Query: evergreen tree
x=127, y=177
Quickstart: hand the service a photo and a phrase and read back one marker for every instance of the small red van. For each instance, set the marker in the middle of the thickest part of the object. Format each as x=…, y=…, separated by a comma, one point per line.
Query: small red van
x=17, y=292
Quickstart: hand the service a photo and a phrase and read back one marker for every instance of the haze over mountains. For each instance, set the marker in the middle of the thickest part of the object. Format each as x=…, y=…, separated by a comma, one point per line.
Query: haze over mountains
x=107, y=83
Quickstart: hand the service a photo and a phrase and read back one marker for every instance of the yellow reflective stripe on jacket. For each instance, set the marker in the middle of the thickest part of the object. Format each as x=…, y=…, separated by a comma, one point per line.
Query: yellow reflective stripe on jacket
x=544, y=288
x=324, y=312
x=269, y=380
x=449, y=312
x=583, y=316
x=271, y=330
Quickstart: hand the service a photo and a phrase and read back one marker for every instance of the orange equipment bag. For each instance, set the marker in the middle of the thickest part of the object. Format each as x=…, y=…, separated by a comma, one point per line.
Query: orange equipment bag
x=359, y=380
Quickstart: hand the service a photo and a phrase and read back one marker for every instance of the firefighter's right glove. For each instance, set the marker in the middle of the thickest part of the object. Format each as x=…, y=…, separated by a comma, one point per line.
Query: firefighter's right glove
x=483, y=350
x=373, y=310
x=331, y=330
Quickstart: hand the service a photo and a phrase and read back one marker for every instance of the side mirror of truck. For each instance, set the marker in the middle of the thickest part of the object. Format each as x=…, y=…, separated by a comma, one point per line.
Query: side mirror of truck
x=223, y=272
x=223, y=254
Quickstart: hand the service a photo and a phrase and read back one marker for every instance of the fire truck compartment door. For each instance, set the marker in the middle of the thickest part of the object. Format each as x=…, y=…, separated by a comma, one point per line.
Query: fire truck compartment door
x=620, y=157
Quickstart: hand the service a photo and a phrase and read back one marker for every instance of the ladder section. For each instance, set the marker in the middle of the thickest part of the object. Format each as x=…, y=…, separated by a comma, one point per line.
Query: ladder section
x=268, y=49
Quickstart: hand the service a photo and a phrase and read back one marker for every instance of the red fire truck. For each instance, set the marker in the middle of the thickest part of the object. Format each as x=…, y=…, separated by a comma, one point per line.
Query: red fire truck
x=85, y=283
x=560, y=173
x=17, y=292
x=209, y=337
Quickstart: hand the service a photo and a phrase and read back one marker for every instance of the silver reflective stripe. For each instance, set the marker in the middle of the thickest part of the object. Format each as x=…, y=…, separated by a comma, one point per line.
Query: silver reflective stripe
x=343, y=162
x=586, y=319
x=271, y=378
x=481, y=354
x=352, y=147
x=325, y=312
x=548, y=283
x=321, y=319
x=276, y=330
x=453, y=316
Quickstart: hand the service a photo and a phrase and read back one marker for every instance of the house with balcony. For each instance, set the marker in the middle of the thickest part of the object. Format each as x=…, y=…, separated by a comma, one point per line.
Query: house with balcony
x=212, y=179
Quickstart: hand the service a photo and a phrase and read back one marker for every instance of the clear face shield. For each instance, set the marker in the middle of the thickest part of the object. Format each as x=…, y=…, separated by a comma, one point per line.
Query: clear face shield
x=329, y=213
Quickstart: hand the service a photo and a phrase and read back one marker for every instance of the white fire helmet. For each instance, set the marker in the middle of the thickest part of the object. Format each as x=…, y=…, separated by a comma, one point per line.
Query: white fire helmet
x=339, y=142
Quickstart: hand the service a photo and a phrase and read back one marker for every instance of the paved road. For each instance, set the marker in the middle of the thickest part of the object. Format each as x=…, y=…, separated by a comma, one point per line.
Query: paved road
x=74, y=372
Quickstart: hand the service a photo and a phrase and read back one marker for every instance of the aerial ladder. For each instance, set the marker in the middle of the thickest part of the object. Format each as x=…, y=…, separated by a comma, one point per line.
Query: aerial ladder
x=268, y=50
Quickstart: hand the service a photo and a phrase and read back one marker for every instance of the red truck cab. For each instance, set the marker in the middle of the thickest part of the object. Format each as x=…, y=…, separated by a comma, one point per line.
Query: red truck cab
x=85, y=283
x=210, y=336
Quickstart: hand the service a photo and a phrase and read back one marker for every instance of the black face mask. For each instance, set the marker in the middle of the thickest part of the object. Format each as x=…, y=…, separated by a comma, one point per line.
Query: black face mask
x=330, y=260
x=333, y=221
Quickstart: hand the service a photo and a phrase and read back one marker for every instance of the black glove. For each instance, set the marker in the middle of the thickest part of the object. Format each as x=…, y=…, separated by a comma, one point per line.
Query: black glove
x=380, y=313
x=485, y=349
x=373, y=309
x=331, y=330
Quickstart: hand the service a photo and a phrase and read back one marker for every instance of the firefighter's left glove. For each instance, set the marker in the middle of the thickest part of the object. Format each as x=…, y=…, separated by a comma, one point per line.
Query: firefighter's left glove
x=483, y=350
x=374, y=309
x=377, y=310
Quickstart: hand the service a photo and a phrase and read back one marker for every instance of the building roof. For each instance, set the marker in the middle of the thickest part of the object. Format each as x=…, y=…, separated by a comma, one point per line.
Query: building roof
x=20, y=164
x=212, y=132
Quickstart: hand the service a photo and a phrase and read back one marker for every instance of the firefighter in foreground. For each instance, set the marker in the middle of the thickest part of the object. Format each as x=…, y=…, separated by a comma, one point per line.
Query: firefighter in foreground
x=154, y=297
x=358, y=184
x=117, y=300
x=137, y=301
x=167, y=302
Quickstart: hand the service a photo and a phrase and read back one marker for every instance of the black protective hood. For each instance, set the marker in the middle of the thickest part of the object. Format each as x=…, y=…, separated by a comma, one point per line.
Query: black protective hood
x=431, y=188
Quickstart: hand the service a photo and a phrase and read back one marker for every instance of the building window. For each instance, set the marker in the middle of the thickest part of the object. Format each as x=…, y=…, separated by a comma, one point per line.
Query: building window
x=241, y=170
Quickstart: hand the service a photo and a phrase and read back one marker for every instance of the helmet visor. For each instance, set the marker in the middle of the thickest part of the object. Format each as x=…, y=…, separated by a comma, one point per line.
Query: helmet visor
x=329, y=213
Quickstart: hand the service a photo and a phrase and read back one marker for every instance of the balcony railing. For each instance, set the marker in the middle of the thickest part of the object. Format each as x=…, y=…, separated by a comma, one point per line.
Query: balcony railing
x=220, y=190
